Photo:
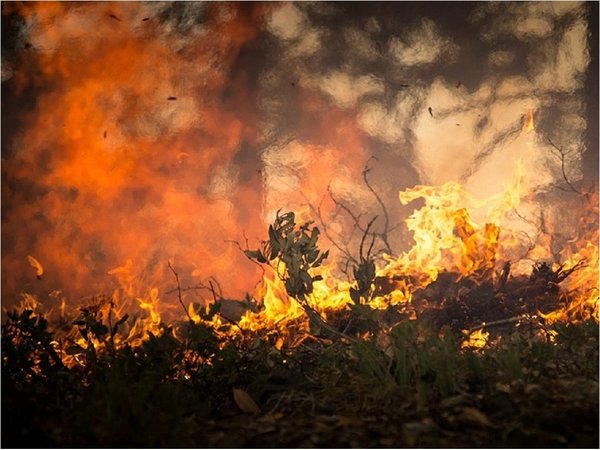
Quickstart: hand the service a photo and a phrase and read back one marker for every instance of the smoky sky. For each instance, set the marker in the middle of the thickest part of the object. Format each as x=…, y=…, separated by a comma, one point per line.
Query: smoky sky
x=190, y=124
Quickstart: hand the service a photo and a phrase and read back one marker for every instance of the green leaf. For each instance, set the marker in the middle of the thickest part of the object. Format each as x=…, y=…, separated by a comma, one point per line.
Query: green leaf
x=306, y=278
x=311, y=255
x=320, y=259
x=314, y=236
x=276, y=239
x=255, y=254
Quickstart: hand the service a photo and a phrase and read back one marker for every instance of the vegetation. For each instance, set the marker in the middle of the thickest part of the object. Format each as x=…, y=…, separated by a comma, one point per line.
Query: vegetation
x=193, y=383
x=421, y=389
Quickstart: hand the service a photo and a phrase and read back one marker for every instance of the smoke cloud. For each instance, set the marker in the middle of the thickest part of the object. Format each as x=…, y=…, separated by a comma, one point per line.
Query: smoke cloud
x=141, y=133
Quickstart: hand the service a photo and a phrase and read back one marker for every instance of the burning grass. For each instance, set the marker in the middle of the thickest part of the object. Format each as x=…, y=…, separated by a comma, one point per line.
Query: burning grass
x=440, y=347
x=192, y=386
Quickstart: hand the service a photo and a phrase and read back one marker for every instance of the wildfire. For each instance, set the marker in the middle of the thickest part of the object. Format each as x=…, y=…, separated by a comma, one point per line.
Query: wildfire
x=102, y=172
x=447, y=239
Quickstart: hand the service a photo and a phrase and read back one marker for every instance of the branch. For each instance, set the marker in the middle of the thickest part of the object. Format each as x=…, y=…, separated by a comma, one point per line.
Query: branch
x=562, y=167
x=384, y=234
x=498, y=322
x=243, y=251
x=362, y=241
x=179, y=291
x=315, y=317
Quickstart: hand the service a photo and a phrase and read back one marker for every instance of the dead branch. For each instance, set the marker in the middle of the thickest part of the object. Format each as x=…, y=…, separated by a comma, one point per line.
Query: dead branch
x=319, y=215
x=384, y=234
x=562, y=155
x=179, y=291
x=362, y=241
x=212, y=289
x=498, y=322
x=231, y=241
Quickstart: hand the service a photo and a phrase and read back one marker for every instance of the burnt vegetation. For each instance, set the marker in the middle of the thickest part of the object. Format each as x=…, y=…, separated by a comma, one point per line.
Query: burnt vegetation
x=356, y=377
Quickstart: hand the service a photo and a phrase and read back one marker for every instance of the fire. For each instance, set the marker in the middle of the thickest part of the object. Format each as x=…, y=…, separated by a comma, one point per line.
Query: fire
x=136, y=170
x=477, y=339
x=446, y=239
x=582, y=286
x=528, y=122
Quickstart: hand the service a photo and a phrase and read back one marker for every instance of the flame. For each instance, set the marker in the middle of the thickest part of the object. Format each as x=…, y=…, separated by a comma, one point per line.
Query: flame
x=528, y=122
x=446, y=237
x=582, y=285
x=477, y=339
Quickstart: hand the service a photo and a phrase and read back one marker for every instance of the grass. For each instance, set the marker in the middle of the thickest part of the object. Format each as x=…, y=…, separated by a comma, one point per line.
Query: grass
x=408, y=387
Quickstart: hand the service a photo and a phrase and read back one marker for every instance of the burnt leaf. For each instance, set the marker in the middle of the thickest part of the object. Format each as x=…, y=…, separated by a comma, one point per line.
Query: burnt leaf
x=74, y=350
x=122, y=320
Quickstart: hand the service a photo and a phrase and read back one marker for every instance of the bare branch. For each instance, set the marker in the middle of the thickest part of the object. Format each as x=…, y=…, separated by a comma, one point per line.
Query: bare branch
x=179, y=291
x=384, y=234
x=562, y=166
x=362, y=241
x=498, y=322
x=243, y=251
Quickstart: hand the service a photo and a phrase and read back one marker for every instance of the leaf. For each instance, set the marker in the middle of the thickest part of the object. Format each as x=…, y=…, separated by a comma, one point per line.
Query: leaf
x=475, y=417
x=98, y=329
x=255, y=254
x=245, y=402
x=122, y=320
x=314, y=236
x=276, y=240
x=311, y=255
x=320, y=259
x=74, y=350
x=39, y=270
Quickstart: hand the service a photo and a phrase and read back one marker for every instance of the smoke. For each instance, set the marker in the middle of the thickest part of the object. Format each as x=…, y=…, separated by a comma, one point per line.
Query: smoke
x=143, y=133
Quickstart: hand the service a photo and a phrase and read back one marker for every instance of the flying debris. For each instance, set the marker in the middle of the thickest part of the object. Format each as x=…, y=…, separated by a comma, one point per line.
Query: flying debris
x=430, y=111
x=112, y=16
x=458, y=84
x=145, y=19
x=172, y=98
x=39, y=270
x=104, y=134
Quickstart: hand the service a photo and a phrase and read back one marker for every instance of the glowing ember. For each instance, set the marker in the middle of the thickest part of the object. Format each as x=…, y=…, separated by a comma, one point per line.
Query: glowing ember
x=476, y=339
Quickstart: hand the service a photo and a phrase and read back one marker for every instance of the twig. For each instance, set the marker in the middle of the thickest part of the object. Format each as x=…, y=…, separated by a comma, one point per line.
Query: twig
x=317, y=211
x=243, y=251
x=362, y=241
x=562, y=166
x=384, y=234
x=315, y=317
x=212, y=289
x=179, y=291
x=498, y=322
